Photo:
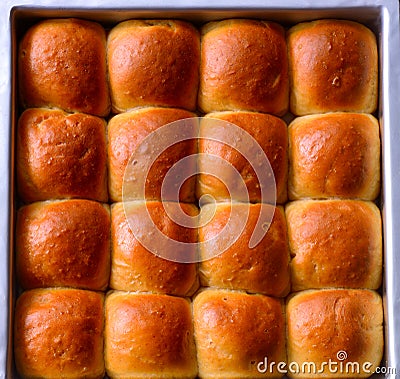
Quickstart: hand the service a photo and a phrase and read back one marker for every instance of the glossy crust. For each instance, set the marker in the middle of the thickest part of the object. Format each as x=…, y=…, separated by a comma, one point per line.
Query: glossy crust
x=63, y=243
x=61, y=155
x=335, y=243
x=334, y=155
x=263, y=268
x=59, y=333
x=134, y=268
x=243, y=67
x=149, y=335
x=268, y=131
x=235, y=331
x=153, y=63
x=62, y=64
x=333, y=66
x=127, y=131
x=341, y=326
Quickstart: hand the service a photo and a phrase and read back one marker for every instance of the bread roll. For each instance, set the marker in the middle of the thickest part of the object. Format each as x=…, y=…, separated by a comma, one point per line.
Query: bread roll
x=61, y=155
x=271, y=135
x=128, y=131
x=62, y=64
x=63, y=243
x=235, y=333
x=58, y=333
x=134, y=268
x=149, y=335
x=334, y=333
x=333, y=66
x=334, y=155
x=153, y=63
x=263, y=268
x=335, y=243
x=243, y=67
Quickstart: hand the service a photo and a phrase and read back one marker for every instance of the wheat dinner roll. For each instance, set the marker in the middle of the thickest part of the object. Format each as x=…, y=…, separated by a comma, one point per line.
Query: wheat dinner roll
x=339, y=326
x=127, y=131
x=268, y=131
x=335, y=243
x=153, y=63
x=134, y=268
x=58, y=333
x=235, y=332
x=62, y=64
x=243, y=67
x=149, y=335
x=334, y=155
x=63, y=243
x=263, y=268
x=333, y=66
x=61, y=155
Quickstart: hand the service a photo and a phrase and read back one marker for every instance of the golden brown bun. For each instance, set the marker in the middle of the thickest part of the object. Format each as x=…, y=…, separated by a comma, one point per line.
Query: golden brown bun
x=63, y=243
x=271, y=134
x=235, y=331
x=59, y=334
x=153, y=63
x=243, y=67
x=62, y=64
x=333, y=66
x=134, y=268
x=334, y=155
x=263, y=268
x=335, y=243
x=61, y=155
x=149, y=335
x=328, y=325
x=126, y=133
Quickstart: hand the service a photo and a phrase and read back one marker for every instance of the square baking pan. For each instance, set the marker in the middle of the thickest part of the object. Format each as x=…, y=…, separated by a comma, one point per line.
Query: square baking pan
x=381, y=16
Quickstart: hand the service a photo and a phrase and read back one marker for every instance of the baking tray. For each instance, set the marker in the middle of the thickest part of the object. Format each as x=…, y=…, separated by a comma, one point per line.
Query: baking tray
x=381, y=16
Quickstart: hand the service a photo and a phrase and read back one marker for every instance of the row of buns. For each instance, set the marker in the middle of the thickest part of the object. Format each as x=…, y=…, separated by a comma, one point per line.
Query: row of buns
x=332, y=243
x=61, y=332
x=238, y=64
x=61, y=155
